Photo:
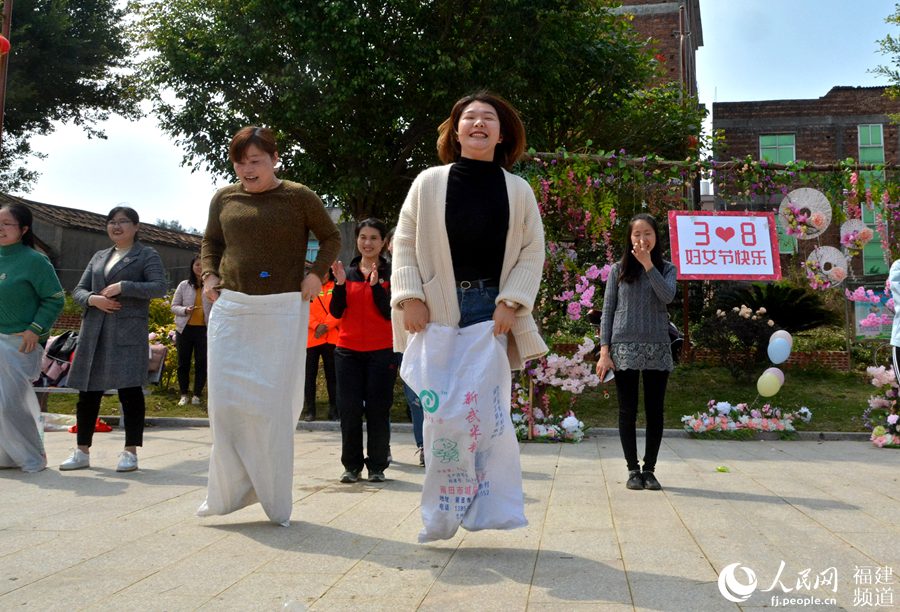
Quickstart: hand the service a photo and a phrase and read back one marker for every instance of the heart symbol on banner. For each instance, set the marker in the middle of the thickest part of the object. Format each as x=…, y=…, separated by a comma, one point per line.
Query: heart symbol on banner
x=725, y=233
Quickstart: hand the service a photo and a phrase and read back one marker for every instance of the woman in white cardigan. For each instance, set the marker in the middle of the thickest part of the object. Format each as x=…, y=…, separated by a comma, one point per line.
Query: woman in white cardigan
x=469, y=245
x=191, y=308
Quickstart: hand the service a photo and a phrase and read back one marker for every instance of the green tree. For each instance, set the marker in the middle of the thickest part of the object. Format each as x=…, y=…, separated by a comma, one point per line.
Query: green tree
x=355, y=89
x=890, y=46
x=176, y=226
x=68, y=63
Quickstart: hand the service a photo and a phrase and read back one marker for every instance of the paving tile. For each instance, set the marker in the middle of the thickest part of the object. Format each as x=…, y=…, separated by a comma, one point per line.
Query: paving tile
x=98, y=540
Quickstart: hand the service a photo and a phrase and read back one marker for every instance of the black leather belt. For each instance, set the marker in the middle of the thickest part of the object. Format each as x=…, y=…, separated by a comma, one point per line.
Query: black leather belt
x=481, y=283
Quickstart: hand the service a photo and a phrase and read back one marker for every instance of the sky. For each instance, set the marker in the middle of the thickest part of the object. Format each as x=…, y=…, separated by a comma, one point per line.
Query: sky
x=752, y=50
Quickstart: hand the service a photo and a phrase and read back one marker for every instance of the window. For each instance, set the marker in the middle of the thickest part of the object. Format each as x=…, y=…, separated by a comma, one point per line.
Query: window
x=787, y=244
x=777, y=148
x=871, y=151
x=871, y=144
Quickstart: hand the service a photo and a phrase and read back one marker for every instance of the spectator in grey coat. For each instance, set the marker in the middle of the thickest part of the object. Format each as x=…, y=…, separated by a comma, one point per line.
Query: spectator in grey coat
x=113, y=350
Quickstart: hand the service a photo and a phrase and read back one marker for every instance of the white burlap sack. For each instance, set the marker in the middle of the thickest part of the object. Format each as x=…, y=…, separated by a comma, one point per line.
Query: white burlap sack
x=256, y=359
x=20, y=438
x=473, y=477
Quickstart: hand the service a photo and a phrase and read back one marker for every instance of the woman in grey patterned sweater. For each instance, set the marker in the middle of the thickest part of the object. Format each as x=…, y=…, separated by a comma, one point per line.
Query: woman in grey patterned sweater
x=634, y=340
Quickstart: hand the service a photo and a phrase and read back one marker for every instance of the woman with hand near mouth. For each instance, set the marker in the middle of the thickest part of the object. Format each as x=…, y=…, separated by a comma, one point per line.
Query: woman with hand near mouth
x=113, y=350
x=634, y=341
x=31, y=299
x=254, y=271
x=364, y=357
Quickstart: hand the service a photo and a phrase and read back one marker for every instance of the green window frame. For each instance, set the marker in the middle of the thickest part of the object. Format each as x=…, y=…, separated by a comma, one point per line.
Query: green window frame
x=871, y=151
x=777, y=148
x=871, y=143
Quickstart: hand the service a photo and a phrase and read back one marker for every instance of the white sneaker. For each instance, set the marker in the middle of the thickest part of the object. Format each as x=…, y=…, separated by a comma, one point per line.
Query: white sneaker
x=127, y=462
x=183, y=401
x=195, y=401
x=78, y=461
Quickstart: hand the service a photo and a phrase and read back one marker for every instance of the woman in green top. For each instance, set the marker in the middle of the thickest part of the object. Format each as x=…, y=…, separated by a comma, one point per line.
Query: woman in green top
x=30, y=300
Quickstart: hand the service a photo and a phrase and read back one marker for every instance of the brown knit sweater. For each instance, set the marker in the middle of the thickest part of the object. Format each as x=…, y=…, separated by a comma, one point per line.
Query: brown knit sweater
x=256, y=242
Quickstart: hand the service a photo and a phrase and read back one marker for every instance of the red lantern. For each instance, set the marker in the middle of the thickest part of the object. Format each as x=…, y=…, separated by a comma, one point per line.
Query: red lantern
x=4, y=45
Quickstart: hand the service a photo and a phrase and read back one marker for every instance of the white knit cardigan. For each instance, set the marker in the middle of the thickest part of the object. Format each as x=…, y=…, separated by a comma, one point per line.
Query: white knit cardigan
x=422, y=266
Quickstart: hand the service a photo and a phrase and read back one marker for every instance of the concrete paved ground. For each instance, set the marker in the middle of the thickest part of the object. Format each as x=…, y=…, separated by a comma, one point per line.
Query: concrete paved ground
x=99, y=540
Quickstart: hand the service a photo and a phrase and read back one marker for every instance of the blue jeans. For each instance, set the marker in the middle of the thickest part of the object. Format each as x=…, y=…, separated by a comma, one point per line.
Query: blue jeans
x=415, y=406
x=476, y=305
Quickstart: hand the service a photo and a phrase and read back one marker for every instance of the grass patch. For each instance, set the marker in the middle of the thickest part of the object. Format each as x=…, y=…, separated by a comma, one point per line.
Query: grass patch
x=836, y=399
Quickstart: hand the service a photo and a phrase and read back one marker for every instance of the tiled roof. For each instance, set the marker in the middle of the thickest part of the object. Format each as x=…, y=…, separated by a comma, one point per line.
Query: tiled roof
x=95, y=222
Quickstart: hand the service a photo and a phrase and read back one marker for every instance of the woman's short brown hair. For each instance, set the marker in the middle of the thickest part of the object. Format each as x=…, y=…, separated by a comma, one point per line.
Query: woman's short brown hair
x=507, y=151
x=262, y=137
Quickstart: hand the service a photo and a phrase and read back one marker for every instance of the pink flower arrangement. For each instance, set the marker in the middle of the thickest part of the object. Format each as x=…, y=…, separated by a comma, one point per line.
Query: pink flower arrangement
x=723, y=417
x=855, y=241
x=881, y=414
x=861, y=294
x=582, y=297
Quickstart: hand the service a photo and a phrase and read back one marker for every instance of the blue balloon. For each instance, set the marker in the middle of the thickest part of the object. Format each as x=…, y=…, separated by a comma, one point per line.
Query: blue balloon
x=779, y=350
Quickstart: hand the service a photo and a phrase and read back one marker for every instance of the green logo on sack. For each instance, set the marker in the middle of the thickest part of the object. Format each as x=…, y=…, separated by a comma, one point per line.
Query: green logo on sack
x=445, y=450
x=429, y=400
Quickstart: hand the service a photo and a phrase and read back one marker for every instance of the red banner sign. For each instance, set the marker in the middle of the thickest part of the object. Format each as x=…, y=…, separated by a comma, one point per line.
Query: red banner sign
x=724, y=245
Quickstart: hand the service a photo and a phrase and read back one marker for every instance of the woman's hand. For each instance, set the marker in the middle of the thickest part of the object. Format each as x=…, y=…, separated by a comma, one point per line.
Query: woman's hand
x=112, y=290
x=340, y=275
x=415, y=315
x=310, y=287
x=604, y=365
x=321, y=330
x=373, y=276
x=641, y=252
x=104, y=303
x=504, y=317
x=29, y=341
x=209, y=287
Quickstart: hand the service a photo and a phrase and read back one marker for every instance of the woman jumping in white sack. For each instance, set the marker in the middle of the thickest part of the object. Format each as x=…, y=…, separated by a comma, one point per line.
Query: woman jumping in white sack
x=469, y=250
x=254, y=259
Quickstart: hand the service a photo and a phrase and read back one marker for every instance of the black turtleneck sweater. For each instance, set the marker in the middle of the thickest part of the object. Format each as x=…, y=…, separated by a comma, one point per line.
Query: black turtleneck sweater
x=477, y=219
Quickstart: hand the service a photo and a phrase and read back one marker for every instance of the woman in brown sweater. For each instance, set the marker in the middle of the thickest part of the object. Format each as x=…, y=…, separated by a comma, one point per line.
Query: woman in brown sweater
x=254, y=255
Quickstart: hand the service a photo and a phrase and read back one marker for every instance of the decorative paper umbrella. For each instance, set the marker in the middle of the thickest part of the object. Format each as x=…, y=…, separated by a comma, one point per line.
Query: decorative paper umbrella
x=858, y=231
x=806, y=213
x=830, y=263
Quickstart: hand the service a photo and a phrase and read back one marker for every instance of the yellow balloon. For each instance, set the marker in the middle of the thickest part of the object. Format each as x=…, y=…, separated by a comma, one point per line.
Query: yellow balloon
x=768, y=384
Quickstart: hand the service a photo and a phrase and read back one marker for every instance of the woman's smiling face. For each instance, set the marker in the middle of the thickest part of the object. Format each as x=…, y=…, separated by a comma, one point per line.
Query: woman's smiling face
x=478, y=131
x=256, y=170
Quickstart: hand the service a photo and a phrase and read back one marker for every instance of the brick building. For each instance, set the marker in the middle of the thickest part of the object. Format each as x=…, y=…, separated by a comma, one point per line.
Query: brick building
x=845, y=122
x=676, y=31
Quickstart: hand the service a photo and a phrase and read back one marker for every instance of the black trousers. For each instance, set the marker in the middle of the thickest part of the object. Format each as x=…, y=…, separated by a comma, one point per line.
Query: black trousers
x=654, y=398
x=365, y=387
x=191, y=341
x=88, y=409
x=326, y=352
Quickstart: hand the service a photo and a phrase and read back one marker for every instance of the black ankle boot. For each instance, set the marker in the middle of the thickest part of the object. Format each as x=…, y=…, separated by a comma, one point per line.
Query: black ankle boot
x=635, y=481
x=650, y=482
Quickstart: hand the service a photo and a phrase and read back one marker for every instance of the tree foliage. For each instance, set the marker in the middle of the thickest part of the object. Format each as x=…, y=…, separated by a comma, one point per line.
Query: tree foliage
x=68, y=63
x=890, y=46
x=355, y=89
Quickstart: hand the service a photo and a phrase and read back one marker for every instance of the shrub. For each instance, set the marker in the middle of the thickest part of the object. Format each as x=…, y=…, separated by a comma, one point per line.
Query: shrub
x=738, y=337
x=791, y=308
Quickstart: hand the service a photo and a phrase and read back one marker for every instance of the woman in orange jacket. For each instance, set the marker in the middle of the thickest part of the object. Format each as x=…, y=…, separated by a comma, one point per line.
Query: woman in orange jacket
x=323, y=333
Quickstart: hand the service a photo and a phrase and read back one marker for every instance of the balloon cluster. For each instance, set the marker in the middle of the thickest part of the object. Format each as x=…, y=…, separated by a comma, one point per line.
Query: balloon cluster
x=772, y=379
